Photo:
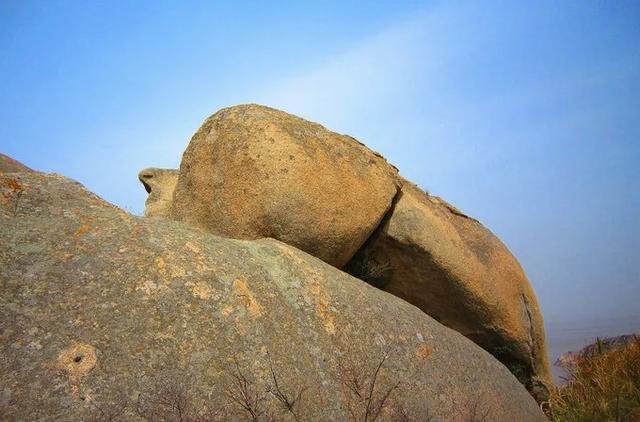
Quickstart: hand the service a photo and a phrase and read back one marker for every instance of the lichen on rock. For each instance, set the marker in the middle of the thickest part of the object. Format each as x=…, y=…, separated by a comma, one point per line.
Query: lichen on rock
x=107, y=348
x=253, y=172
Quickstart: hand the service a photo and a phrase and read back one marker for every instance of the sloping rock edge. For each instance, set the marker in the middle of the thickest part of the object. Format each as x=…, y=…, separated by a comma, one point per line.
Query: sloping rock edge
x=79, y=359
x=379, y=274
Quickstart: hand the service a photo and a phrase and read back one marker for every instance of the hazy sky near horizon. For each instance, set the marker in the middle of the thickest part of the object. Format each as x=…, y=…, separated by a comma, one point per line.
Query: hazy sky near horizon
x=525, y=115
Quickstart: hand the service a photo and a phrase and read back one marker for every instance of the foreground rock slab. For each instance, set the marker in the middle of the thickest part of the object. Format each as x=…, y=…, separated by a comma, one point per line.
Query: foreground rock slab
x=101, y=310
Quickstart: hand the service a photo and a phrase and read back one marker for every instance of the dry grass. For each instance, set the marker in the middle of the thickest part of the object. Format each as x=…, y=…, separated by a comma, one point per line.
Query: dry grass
x=601, y=386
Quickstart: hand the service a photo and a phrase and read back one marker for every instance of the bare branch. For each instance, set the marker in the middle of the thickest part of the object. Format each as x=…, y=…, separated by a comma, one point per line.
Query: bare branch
x=171, y=399
x=108, y=413
x=243, y=394
x=370, y=395
x=289, y=403
x=476, y=413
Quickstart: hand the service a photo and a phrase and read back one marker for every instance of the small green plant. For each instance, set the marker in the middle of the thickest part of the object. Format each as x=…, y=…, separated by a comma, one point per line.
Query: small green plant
x=599, y=346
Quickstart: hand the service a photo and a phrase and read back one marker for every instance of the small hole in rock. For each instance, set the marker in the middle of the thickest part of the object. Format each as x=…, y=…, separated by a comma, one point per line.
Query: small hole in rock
x=77, y=359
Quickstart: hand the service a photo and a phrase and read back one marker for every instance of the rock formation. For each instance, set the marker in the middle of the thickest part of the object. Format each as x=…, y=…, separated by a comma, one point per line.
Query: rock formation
x=9, y=165
x=159, y=184
x=107, y=315
x=450, y=266
x=253, y=172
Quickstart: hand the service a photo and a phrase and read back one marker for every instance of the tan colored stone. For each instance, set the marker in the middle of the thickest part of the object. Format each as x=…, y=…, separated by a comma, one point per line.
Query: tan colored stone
x=106, y=346
x=453, y=268
x=9, y=165
x=159, y=184
x=252, y=172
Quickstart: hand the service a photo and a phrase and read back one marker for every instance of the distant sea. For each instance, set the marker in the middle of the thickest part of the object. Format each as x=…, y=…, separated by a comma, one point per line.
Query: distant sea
x=565, y=336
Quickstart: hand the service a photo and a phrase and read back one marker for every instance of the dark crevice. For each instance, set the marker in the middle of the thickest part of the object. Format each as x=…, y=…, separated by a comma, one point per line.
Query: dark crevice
x=378, y=274
x=525, y=304
x=143, y=179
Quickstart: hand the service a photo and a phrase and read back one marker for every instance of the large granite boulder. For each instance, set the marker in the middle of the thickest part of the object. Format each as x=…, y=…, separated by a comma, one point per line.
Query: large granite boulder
x=453, y=268
x=107, y=316
x=252, y=172
x=9, y=165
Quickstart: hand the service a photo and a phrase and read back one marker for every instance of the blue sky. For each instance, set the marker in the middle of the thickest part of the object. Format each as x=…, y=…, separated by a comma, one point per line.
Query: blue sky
x=525, y=115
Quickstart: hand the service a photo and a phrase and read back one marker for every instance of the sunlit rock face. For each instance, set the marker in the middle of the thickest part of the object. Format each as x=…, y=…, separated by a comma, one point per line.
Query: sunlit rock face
x=105, y=313
x=159, y=184
x=452, y=267
x=251, y=172
x=254, y=172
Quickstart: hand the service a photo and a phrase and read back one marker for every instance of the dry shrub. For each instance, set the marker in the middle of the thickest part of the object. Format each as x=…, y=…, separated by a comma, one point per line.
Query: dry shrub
x=368, y=393
x=171, y=399
x=601, y=386
x=243, y=393
x=371, y=389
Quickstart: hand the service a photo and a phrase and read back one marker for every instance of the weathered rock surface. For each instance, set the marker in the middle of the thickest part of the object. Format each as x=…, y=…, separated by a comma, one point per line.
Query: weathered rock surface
x=159, y=184
x=453, y=268
x=9, y=165
x=98, y=304
x=252, y=172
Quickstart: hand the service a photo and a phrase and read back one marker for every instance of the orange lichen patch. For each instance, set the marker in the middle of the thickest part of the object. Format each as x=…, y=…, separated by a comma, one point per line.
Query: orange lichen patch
x=249, y=300
x=201, y=290
x=287, y=251
x=65, y=256
x=12, y=187
x=423, y=351
x=193, y=247
x=81, y=230
x=150, y=287
x=77, y=361
x=177, y=271
x=323, y=307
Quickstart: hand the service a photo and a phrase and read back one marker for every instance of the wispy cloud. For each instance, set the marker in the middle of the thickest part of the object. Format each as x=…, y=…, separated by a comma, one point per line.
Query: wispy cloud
x=372, y=73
